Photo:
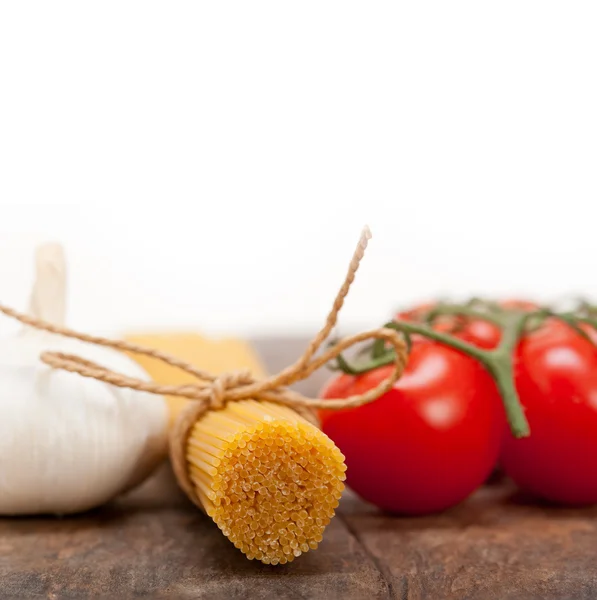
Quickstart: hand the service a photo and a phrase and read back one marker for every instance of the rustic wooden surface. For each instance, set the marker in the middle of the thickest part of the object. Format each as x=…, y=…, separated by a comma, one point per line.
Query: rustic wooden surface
x=153, y=543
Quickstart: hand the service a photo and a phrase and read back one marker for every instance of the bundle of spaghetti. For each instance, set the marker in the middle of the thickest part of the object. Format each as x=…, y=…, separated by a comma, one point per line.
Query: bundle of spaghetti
x=267, y=476
x=269, y=479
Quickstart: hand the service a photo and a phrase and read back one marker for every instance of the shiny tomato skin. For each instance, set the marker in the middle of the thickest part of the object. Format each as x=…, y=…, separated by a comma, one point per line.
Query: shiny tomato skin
x=429, y=442
x=557, y=383
x=480, y=333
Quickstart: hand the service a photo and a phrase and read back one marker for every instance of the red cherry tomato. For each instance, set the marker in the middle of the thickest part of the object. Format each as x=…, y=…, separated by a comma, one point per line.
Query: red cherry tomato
x=429, y=442
x=556, y=380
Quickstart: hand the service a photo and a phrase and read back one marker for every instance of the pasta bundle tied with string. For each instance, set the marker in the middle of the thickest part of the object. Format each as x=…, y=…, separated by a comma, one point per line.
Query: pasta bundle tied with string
x=248, y=451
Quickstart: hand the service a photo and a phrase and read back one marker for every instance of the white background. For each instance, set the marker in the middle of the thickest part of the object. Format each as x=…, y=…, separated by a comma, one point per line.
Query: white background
x=210, y=165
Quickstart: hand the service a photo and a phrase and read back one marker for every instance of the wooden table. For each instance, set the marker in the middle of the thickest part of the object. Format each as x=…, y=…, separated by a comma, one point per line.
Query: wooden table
x=154, y=543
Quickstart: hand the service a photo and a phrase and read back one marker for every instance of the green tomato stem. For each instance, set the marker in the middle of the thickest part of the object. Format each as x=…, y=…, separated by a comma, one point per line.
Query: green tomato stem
x=501, y=369
x=356, y=368
x=438, y=336
x=462, y=311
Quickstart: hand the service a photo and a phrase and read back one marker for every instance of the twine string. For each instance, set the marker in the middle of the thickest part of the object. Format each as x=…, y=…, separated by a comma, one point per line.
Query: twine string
x=212, y=393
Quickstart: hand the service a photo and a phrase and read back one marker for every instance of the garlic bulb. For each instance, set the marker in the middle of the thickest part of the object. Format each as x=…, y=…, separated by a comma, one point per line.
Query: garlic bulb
x=67, y=443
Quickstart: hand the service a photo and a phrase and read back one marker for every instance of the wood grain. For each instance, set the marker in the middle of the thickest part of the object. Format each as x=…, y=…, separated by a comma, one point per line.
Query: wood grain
x=153, y=543
x=496, y=545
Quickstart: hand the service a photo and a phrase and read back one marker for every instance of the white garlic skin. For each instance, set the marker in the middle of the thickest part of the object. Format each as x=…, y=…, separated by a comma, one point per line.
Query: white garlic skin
x=69, y=443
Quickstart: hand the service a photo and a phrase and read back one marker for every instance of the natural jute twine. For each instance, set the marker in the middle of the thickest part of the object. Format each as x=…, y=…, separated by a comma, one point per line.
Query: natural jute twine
x=213, y=393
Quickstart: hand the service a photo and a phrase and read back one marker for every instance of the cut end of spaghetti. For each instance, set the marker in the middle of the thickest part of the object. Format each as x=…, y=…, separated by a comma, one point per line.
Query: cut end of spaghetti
x=269, y=479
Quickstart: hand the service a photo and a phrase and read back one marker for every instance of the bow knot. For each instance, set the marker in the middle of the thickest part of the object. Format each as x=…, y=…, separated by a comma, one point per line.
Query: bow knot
x=216, y=391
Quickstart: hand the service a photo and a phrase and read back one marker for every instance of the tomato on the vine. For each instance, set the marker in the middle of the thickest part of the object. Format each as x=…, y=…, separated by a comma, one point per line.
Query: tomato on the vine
x=431, y=440
x=426, y=444
x=556, y=378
